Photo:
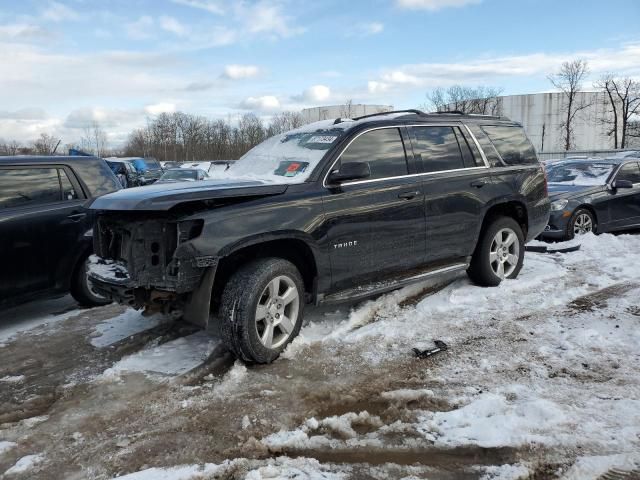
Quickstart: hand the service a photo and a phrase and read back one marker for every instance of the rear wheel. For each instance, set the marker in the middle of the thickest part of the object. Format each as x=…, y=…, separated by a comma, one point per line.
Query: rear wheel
x=582, y=222
x=81, y=289
x=262, y=308
x=499, y=253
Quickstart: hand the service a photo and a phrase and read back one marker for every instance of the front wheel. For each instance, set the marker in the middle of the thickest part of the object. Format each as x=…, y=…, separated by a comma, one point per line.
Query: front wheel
x=582, y=222
x=81, y=289
x=499, y=253
x=261, y=309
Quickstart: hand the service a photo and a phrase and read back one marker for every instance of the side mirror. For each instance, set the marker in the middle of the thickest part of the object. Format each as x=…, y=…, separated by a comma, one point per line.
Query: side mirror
x=621, y=184
x=350, y=171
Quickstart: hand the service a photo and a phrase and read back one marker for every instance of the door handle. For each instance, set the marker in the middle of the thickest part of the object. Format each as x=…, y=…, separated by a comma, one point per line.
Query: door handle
x=479, y=183
x=408, y=195
x=76, y=217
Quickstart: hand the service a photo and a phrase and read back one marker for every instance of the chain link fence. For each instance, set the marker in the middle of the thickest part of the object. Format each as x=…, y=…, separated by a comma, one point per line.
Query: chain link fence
x=546, y=156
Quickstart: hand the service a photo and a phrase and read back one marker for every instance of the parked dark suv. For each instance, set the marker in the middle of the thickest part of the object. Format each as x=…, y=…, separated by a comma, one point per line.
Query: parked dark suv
x=45, y=232
x=333, y=211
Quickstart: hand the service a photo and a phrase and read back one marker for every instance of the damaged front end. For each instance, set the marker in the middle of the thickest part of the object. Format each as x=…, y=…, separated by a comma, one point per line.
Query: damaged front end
x=148, y=261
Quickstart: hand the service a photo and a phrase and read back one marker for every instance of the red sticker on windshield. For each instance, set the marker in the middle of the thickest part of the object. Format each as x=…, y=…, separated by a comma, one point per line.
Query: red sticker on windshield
x=293, y=167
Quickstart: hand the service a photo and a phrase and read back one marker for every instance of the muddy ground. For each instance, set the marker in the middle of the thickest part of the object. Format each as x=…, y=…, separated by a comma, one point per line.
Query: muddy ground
x=62, y=399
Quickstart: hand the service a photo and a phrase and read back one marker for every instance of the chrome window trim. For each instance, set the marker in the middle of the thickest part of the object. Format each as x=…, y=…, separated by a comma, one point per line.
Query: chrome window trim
x=475, y=140
x=452, y=125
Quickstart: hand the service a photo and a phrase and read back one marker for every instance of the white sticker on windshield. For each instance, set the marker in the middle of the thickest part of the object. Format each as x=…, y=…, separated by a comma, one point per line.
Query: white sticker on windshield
x=322, y=139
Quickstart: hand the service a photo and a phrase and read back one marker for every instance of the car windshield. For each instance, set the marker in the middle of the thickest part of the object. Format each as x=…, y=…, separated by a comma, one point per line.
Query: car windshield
x=289, y=157
x=579, y=173
x=180, y=174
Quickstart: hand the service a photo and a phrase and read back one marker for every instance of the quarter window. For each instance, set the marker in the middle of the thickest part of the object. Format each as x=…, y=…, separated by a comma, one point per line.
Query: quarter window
x=382, y=149
x=438, y=148
x=512, y=144
x=630, y=172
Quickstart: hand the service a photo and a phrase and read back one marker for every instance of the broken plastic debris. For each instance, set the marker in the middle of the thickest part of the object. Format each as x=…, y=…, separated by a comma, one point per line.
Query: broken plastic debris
x=440, y=347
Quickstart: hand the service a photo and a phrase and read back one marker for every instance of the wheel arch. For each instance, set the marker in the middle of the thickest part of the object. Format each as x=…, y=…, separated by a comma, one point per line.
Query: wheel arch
x=298, y=248
x=512, y=208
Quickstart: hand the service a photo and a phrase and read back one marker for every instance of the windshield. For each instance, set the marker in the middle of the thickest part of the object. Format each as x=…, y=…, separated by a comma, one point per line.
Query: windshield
x=180, y=174
x=580, y=173
x=289, y=157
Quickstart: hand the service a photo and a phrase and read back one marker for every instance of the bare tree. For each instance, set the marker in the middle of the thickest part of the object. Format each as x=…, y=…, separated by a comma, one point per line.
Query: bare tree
x=623, y=95
x=346, y=111
x=479, y=100
x=46, y=144
x=569, y=81
x=94, y=139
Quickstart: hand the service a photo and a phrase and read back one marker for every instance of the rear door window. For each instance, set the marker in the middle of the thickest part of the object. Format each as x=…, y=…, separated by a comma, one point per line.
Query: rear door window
x=382, y=149
x=512, y=144
x=29, y=187
x=437, y=148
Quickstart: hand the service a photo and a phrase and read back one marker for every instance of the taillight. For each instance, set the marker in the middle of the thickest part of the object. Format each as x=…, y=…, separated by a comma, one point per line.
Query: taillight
x=546, y=183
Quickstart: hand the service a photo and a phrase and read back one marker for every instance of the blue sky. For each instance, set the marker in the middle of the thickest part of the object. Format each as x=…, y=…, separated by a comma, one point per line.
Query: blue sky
x=66, y=63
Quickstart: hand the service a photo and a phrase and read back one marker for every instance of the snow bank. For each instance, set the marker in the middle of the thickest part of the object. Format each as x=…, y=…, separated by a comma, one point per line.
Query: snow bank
x=592, y=468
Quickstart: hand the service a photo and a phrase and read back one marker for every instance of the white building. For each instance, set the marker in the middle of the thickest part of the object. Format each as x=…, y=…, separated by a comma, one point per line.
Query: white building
x=342, y=111
x=542, y=115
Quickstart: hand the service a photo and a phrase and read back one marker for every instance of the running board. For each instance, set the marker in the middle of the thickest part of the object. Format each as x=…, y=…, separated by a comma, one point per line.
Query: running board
x=376, y=288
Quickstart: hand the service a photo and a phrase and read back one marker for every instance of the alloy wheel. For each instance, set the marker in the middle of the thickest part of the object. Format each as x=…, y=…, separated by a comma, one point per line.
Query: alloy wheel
x=504, y=253
x=583, y=224
x=277, y=312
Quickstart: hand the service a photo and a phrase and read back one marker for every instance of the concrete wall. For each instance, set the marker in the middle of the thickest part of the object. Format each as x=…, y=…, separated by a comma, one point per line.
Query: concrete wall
x=342, y=111
x=546, y=110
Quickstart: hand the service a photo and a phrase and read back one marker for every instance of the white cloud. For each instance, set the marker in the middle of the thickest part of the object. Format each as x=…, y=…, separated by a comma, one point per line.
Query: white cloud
x=377, y=87
x=624, y=60
x=316, y=93
x=57, y=12
x=266, y=103
x=24, y=32
x=371, y=28
x=210, y=6
x=24, y=114
x=158, y=108
x=266, y=17
x=140, y=29
x=434, y=5
x=172, y=25
x=237, y=72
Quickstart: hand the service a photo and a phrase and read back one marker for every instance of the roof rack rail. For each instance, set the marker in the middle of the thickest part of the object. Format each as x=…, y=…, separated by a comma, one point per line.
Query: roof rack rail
x=449, y=112
x=411, y=110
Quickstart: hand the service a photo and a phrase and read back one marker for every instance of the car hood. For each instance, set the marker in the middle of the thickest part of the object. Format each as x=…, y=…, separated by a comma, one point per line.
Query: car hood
x=167, y=195
x=571, y=191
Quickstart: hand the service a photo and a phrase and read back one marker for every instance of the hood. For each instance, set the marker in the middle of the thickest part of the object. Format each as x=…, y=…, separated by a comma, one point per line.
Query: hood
x=569, y=191
x=167, y=195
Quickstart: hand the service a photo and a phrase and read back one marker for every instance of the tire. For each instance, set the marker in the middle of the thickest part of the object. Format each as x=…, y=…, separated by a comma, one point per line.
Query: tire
x=495, y=249
x=582, y=222
x=80, y=289
x=250, y=308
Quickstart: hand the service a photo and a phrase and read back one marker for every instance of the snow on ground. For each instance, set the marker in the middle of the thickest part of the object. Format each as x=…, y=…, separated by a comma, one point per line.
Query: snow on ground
x=549, y=376
x=44, y=313
x=277, y=468
x=123, y=326
x=172, y=358
x=539, y=371
x=12, y=379
x=592, y=468
x=25, y=464
x=5, y=446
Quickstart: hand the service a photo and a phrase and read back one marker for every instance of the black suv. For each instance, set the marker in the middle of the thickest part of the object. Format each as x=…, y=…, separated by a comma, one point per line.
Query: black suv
x=45, y=232
x=333, y=211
